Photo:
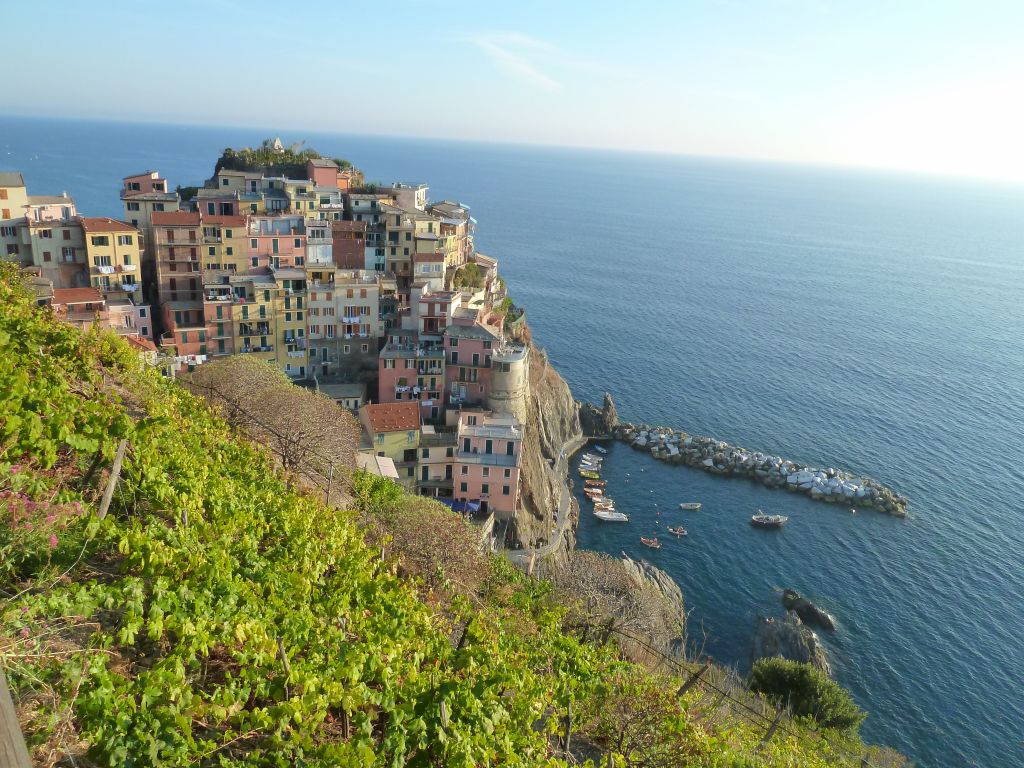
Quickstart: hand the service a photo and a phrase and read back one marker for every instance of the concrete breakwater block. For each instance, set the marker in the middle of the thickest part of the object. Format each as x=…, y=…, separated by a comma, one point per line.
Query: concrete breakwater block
x=828, y=484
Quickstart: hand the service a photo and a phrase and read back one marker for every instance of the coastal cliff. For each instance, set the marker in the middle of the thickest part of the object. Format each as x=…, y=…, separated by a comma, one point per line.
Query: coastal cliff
x=552, y=425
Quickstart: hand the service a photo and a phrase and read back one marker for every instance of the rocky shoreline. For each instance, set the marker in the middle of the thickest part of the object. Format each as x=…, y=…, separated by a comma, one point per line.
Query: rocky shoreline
x=719, y=458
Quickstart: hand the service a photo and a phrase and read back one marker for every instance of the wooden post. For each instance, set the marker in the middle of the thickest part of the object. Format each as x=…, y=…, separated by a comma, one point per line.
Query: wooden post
x=115, y=474
x=330, y=480
x=692, y=680
x=771, y=730
x=568, y=726
x=13, y=752
x=287, y=666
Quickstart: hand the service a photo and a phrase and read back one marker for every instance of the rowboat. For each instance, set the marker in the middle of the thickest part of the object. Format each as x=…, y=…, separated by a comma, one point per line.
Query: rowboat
x=592, y=457
x=596, y=483
x=590, y=474
x=694, y=505
x=653, y=543
x=678, y=530
x=591, y=493
x=601, y=450
x=761, y=520
x=611, y=516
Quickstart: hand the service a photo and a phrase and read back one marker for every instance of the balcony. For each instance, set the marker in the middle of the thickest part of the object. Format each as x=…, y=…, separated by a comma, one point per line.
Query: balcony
x=297, y=354
x=211, y=239
x=129, y=287
x=267, y=348
x=487, y=459
x=126, y=268
x=259, y=330
x=103, y=269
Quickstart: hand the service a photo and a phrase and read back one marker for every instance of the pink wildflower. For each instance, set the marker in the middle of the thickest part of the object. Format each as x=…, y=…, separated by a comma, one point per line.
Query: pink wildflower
x=53, y=541
x=25, y=632
x=15, y=468
x=50, y=518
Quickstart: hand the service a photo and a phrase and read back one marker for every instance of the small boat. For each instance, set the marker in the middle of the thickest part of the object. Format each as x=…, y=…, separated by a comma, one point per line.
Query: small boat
x=611, y=516
x=592, y=457
x=653, y=542
x=604, y=504
x=678, y=530
x=694, y=505
x=593, y=493
x=761, y=520
x=596, y=483
x=589, y=474
x=600, y=450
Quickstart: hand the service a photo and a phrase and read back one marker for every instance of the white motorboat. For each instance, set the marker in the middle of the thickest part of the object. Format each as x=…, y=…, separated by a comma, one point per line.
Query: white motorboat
x=694, y=505
x=611, y=516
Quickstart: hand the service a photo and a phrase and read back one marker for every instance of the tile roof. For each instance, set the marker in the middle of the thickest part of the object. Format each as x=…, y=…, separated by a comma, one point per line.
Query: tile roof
x=475, y=331
x=140, y=342
x=176, y=218
x=103, y=224
x=225, y=220
x=323, y=162
x=393, y=417
x=50, y=200
x=11, y=179
x=77, y=296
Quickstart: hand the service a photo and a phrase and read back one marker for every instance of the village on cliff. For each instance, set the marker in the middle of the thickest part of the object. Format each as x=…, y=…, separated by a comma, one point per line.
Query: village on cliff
x=373, y=295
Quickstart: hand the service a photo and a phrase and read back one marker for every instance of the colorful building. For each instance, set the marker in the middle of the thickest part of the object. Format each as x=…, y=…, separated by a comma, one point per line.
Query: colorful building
x=487, y=461
x=393, y=431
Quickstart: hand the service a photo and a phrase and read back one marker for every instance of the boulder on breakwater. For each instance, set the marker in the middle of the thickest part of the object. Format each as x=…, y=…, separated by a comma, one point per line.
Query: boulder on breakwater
x=710, y=455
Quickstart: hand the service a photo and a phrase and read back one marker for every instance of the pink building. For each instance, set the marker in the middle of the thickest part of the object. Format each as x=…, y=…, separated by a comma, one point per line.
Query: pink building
x=277, y=241
x=142, y=183
x=468, y=349
x=487, y=462
x=433, y=310
x=409, y=371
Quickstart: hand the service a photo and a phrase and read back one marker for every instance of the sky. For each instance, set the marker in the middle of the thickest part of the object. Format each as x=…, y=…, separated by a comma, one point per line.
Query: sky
x=934, y=86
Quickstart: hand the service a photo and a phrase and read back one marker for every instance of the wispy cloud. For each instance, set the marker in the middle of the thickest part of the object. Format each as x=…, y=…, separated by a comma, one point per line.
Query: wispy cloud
x=519, y=55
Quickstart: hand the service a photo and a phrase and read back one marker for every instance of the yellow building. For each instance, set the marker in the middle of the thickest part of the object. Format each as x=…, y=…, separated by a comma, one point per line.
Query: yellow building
x=13, y=200
x=112, y=252
x=290, y=308
x=393, y=431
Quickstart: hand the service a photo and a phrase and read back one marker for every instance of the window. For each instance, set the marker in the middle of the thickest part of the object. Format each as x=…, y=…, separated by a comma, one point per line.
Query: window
x=254, y=243
x=255, y=261
x=488, y=446
x=128, y=259
x=506, y=490
x=3, y=194
x=211, y=251
x=224, y=182
x=8, y=232
x=508, y=473
x=487, y=472
x=464, y=487
x=485, y=489
x=202, y=335
x=46, y=256
x=46, y=233
x=67, y=234
x=227, y=233
x=510, y=448
x=158, y=206
x=132, y=206
x=211, y=208
x=99, y=240
x=453, y=342
x=425, y=453
x=142, y=311
x=5, y=213
x=184, y=338
x=346, y=349
x=366, y=347
x=125, y=239
x=410, y=436
x=67, y=254
x=298, y=242
x=380, y=439
x=12, y=249
x=455, y=357
x=229, y=251
x=389, y=364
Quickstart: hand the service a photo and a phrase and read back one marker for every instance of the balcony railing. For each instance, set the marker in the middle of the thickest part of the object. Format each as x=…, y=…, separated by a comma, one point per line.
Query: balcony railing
x=267, y=348
x=490, y=459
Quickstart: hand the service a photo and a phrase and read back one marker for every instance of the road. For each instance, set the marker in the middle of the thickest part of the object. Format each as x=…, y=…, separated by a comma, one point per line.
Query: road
x=521, y=557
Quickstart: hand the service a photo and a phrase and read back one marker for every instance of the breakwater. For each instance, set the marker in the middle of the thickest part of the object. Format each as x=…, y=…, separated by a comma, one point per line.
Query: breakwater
x=710, y=455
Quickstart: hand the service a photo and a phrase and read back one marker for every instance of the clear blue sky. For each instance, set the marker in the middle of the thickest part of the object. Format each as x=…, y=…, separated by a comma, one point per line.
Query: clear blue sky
x=927, y=85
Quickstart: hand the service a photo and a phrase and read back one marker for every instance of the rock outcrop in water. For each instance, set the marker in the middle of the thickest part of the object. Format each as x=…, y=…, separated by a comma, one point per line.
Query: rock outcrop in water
x=808, y=612
x=711, y=455
x=599, y=422
x=791, y=639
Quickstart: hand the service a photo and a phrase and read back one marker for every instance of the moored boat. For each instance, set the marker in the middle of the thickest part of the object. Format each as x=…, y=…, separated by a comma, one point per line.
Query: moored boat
x=596, y=483
x=761, y=520
x=611, y=516
x=590, y=474
x=601, y=450
x=652, y=542
x=694, y=505
x=678, y=530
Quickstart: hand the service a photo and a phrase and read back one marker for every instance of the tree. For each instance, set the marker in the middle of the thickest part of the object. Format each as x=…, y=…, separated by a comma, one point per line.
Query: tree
x=309, y=433
x=606, y=599
x=807, y=691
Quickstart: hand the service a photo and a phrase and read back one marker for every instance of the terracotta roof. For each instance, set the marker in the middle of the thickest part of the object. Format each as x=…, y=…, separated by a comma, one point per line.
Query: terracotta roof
x=147, y=174
x=141, y=343
x=393, y=417
x=77, y=296
x=90, y=224
x=348, y=226
x=230, y=221
x=11, y=179
x=176, y=218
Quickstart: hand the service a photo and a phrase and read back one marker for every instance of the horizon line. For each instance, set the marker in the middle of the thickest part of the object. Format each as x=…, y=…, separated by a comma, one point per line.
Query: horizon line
x=1001, y=181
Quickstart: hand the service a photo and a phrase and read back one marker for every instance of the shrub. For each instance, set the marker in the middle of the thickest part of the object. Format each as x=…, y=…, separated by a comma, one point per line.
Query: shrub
x=807, y=691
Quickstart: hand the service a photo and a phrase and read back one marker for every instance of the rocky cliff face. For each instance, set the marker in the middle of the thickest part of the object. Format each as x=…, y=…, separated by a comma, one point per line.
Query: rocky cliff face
x=552, y=421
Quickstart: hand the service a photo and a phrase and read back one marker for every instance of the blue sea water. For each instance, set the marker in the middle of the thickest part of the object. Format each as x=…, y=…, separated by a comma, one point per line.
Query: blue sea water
x=862, y=320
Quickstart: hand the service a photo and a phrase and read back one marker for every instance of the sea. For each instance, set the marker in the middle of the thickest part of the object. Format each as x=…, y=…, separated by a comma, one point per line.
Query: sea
x=864, y=320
